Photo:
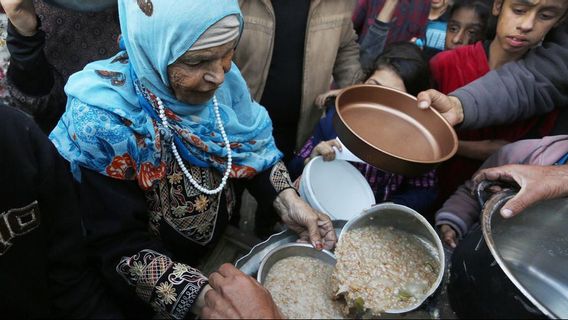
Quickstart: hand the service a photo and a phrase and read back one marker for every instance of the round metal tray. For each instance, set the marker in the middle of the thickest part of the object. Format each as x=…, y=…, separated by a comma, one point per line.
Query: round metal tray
x=435, y=307
x=250, y=262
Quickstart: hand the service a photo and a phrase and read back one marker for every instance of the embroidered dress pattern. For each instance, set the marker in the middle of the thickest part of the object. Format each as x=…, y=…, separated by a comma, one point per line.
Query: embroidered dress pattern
x=178, y=203
x=171, y=288
x=279, y=178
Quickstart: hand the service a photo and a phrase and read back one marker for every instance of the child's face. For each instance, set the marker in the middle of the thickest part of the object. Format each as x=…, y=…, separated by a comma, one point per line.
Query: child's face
x=438, y=4
x=522, y=24
x=388, y=78
x=464, y=27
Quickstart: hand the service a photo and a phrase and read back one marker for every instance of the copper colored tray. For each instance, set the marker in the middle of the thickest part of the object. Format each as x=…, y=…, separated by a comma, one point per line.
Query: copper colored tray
x=385, y=128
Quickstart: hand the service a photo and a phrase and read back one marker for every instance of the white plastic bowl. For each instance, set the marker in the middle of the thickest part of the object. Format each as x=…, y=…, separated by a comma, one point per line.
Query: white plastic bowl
x=336, y=188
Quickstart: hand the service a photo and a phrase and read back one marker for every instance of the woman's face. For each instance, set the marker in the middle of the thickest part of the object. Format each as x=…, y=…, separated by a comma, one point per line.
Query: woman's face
x=464, y=28
x=196, y=75
x=386, y=77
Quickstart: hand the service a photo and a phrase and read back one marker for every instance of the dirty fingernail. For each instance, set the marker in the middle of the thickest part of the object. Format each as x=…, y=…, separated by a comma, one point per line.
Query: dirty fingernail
x=506, y=213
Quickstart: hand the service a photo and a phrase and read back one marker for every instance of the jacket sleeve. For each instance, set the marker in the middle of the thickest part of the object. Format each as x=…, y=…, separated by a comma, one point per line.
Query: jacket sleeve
x=347, y=68
x=518, y=90
x=462, y=209
x=267, y=185
x=373, y=44
x=34, y=86
x=29, y=70
x=135, y=264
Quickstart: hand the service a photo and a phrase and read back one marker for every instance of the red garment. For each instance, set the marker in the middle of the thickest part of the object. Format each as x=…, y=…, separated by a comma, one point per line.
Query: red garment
x=409, y=19
x=454, y=69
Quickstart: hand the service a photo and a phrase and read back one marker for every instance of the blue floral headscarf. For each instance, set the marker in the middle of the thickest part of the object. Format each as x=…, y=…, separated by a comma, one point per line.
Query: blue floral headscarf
x=109, y=123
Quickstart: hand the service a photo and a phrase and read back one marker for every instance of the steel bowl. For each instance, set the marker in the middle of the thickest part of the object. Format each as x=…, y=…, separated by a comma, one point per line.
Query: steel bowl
x=532, y=250
x=83, y=5
x=405, y=219
x=292, y=250
x=385, y=128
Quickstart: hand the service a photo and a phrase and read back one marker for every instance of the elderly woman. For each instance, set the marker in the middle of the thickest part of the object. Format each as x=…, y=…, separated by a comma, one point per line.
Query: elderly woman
x=156, y=135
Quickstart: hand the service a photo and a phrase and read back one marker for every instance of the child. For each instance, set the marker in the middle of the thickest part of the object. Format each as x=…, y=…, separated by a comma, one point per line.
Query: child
x=436, y=28
x=401, y=67
x=467, y=23
x=521, y=25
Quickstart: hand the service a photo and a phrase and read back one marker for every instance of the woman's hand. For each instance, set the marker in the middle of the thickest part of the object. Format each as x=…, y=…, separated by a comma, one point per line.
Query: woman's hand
x=325, y=149
x=235, y=295
x=537, y=183
x=22, y=15
x=449, y=107
x=321, y=99
x=311, y=225
x=449, y=235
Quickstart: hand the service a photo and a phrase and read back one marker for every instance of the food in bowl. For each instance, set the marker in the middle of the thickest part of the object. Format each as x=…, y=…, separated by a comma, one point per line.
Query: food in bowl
x=301, y=288
x=383, y=269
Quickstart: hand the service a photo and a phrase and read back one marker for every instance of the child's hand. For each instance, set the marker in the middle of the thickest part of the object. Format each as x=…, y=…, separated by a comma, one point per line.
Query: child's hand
x=325, y=149
x=22, y=15
x=449, y=235
x=320, y=100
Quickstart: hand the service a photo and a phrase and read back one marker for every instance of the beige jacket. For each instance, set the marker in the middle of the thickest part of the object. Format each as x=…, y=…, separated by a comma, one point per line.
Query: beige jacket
x=330, y=50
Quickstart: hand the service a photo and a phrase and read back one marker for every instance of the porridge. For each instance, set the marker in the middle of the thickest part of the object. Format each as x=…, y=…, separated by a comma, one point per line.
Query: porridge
x=301, y=288
x=382, y=268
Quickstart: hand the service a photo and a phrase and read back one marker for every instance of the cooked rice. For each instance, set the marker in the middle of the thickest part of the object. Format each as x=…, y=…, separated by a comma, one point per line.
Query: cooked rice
x=301, y=288
x=382, y=268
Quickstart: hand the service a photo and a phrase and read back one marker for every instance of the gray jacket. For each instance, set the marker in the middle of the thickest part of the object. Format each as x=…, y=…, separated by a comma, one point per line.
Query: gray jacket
x=462, y=209
x=534, y=85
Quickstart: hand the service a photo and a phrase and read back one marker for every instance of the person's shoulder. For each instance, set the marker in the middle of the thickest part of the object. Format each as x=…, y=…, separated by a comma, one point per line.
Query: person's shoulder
x=92, y=123
x=340, y=6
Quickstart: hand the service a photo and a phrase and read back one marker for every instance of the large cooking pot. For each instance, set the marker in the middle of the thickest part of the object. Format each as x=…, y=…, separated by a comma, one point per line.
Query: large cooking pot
x=83, y=5
x=385, y=128
x=531, y=249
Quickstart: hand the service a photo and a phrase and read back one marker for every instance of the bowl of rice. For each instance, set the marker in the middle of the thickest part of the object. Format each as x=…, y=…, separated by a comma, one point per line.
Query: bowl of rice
x=389, y=260
x=299, y=279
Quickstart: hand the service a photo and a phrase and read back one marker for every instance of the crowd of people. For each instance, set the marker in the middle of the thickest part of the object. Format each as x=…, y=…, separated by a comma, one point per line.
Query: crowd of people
x=128, y=136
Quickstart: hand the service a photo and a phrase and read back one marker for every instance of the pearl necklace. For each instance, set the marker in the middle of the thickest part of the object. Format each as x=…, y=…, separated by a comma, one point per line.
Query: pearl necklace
x=186, y=172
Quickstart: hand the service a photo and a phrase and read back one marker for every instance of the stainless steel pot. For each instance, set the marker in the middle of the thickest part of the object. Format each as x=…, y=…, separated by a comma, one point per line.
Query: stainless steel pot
x=405, y=219
x=83, y=5
x=292, y=250
x=532, y=249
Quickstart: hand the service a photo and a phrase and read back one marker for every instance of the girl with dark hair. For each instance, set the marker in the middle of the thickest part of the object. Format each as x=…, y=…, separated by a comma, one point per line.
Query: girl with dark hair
x=400, y=67
x=468, y=23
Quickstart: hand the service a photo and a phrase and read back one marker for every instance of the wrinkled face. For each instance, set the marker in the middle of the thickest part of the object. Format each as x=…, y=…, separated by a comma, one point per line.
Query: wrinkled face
x=522, y=24
x=464, y=27
x=196, y=75
x=388, y=78
x=438, y=4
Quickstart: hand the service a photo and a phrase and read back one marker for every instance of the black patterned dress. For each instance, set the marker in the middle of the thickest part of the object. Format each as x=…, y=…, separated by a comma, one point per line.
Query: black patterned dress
x=146, y=241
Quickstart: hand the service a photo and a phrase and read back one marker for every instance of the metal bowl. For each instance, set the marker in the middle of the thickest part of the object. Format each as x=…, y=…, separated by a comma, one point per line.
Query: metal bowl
x=385, y=128
x=83, y=5
x=405, y=219
x=292, y=250
x=532, y=250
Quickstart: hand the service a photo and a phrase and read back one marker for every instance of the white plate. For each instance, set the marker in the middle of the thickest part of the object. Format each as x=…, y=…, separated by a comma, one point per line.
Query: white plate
x=336, y=188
